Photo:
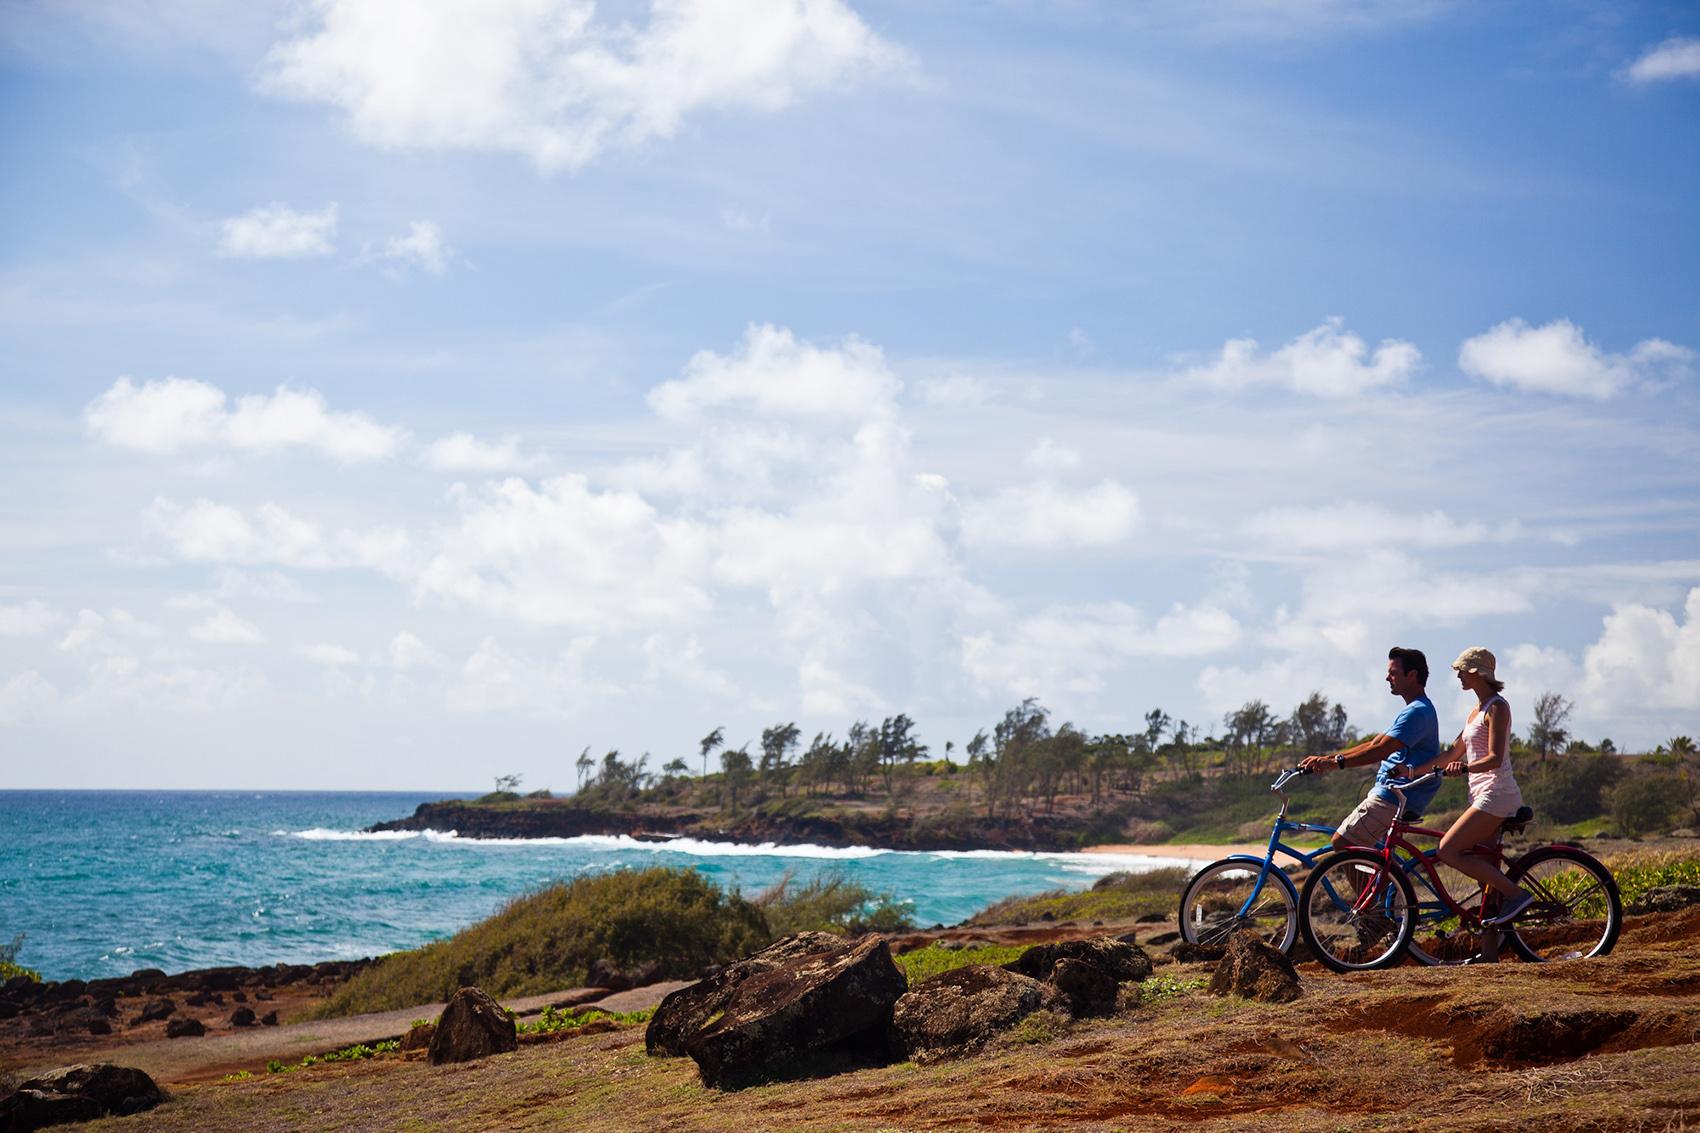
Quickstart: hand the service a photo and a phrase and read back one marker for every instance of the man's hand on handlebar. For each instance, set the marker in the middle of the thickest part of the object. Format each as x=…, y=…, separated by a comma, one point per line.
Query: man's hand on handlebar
x=1316, y=764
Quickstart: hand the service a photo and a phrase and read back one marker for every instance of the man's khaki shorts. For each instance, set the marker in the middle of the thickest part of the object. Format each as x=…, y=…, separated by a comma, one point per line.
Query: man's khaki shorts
x=1369, y=823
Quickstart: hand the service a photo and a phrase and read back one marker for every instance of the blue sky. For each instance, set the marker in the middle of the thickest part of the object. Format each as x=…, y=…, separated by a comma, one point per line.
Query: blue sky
x=404, y=396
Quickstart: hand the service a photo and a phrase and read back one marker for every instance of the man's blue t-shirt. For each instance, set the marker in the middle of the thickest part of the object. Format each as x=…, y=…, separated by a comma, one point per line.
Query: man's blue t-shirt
x=1418, y=728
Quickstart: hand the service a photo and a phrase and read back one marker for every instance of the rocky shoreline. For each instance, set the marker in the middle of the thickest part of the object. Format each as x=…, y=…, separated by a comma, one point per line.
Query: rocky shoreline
x=563, y=818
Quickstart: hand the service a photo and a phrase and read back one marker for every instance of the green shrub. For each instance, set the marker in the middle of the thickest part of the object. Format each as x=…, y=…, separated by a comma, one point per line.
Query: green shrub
x=1638, y=871
x=1646, y=804
x=925, y=963
x=9, y=966
x=552, y=1020
x=1115, y=896
x=547, y=940
x=1571, y=788
x=828, y=903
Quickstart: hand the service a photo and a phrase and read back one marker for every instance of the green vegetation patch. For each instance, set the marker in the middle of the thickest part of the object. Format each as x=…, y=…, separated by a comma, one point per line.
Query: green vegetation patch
x=354, y=1053
x=1638, y=871
x=829, y=903
x=547, y=940
x=1159, y=988
x=1115, y=896
x=925, y=963
x=552, y=1020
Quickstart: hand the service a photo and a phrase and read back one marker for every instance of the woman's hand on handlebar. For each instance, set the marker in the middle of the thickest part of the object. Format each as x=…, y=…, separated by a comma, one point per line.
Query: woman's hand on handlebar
x=1456, y=767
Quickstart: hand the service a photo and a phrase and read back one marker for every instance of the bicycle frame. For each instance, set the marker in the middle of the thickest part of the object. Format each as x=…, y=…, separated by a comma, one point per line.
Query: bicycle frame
x=1282, y=824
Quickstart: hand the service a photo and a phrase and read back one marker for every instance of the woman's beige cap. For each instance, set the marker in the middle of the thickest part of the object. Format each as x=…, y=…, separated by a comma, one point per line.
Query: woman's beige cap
x=1476, y=660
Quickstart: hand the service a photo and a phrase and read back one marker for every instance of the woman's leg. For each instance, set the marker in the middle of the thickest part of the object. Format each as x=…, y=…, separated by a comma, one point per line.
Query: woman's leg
x=1474, y=827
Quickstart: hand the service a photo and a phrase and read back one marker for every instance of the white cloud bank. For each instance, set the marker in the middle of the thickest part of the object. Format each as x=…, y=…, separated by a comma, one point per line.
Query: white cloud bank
x=463, y=452
x=174, y=414
x=278, y=232
x=1328, y=361
x=1676, y=58
x=1337, y=527
x=1557, y=358
x=547, y=79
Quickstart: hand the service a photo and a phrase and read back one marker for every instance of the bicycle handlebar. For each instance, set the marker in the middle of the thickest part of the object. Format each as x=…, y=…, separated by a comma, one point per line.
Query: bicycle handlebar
x=1287, y=775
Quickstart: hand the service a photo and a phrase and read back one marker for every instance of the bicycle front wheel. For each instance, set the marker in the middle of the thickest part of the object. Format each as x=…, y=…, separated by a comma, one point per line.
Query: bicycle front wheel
x=1577, y=911
x=1224, y=897
x=1356, y=912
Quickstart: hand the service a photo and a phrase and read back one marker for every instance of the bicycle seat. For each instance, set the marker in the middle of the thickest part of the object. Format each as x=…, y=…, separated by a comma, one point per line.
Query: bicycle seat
x=1515, y=824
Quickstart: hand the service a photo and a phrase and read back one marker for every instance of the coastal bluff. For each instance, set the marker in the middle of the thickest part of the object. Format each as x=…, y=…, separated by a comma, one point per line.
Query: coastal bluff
x=822, y=822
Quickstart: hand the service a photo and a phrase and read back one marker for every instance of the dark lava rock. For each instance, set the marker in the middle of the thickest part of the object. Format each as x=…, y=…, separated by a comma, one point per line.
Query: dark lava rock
x=240, y=997
x=78, y=1093
x=1089, y=987
x=418, y=1036
x=184, y=1027
x=959, y=1011
x=1163, y=938
x=155, y=1009
x=262, y=994
x=472, y=1026
x=1666, y=899
x=1151, y=918
x=243, y=1017
x=199, y=999
x=1123, y=961
x=812, y=1014
x=28, y=1109
x=1187, y=952
x=269, y=1019
x=688, y=1010
x=1255, y=970
x=99, y=1026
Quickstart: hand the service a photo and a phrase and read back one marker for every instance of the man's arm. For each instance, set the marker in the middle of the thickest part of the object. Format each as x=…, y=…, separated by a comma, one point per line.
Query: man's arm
x=1372, y=750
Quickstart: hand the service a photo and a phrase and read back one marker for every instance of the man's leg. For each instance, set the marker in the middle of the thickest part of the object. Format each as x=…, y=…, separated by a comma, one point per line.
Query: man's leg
x=1367, y=826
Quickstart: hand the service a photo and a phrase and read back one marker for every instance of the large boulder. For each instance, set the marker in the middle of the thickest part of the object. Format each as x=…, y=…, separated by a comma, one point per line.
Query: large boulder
x=688, y=1010
x=1089, y=987
x=185, y=1027
x=472, y=1026
x=1666, y=899
x=1121, y=960
x=959, y=1011
x=77, y=1093
x=155, y=1009
x=1255, y=970
x=810, y=1013
x=418, y=1036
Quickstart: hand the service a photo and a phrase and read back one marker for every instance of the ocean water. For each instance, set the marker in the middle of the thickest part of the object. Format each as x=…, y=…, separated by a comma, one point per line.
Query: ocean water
x=104, y=882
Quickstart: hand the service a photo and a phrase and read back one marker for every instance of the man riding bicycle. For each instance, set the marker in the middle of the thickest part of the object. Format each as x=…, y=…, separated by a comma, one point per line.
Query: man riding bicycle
x=1404, y=751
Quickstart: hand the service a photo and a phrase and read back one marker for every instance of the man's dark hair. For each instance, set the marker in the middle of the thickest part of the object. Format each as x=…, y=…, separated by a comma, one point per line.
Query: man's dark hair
x=1410, y=660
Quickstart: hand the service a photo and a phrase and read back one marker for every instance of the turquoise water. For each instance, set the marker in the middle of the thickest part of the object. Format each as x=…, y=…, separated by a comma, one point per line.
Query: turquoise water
x=105, y=882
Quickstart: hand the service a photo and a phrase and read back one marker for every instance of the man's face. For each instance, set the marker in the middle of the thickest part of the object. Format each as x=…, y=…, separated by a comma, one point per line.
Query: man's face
x=1398, y=680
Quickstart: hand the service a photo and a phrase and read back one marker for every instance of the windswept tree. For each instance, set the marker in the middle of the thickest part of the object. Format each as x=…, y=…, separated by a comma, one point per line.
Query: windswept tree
x=1687, y=758
x=777, y=743
x=585, y=765
x=735, y=770
x=710, y=744
x=1547, y=732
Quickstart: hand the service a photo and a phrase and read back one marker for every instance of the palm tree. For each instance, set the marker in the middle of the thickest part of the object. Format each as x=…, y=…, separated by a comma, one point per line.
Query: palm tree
x=709, y=743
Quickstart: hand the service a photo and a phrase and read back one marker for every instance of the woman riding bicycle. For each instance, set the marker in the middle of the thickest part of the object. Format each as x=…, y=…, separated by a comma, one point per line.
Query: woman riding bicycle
x=1483, y=750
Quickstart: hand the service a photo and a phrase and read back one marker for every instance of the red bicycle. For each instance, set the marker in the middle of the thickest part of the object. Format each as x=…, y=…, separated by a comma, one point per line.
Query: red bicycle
x=1364, y=908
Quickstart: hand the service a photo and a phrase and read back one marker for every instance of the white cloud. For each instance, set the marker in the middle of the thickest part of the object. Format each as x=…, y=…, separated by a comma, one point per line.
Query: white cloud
x=25, y=694
x=1048, y=456
x=1070, y=650
x=330, y=655
x=546, y=79
x=494, y=680
x=1645, y=658
x=1336, y=527
x=956, y=389
x=1326, y=362
x=566, y=554
x=27, y=619
x=1676, y=58
x=222, y=627
x=208, y=532
x=463, y=452
x=422, y=248
x=1556, y=358
x=684, y=662
x=174, y=414
x=1044, y=514
x=277, y=232
x=406, y=652
x=773, y=373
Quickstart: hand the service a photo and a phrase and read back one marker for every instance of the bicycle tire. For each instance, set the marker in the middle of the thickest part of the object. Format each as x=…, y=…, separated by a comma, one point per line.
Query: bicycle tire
x=1578, y=911
x=1340, y=934
x=1210, y=904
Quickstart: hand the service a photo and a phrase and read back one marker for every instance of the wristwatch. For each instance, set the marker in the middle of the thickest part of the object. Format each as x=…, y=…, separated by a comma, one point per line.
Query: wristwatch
x=1340, y=762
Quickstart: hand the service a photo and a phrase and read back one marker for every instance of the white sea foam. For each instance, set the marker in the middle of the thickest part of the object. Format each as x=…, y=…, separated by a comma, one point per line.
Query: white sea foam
x=320, y=834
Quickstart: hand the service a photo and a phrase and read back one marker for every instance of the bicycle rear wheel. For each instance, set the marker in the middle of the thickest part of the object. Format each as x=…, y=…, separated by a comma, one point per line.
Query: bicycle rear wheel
x=1212, y=904
x=1356, y=912
x=1577, y=911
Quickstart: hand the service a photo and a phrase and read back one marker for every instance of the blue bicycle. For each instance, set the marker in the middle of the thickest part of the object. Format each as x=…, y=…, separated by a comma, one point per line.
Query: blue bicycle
x=1242, y=890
